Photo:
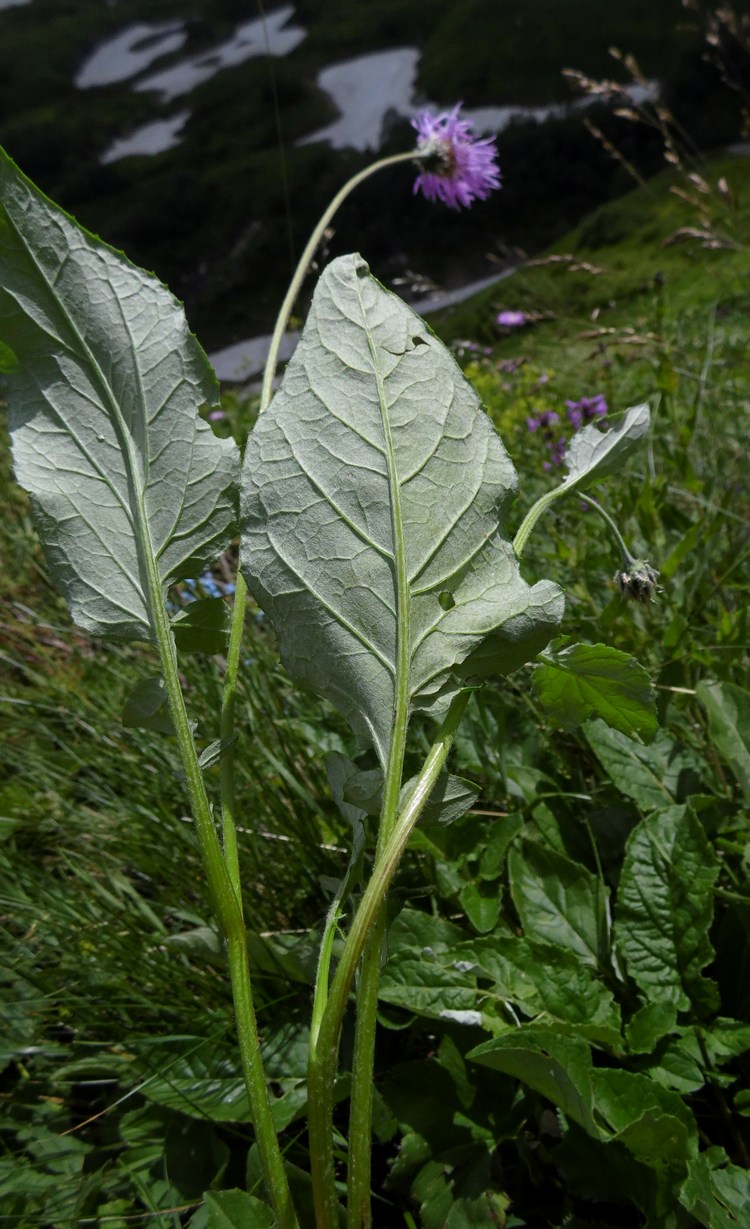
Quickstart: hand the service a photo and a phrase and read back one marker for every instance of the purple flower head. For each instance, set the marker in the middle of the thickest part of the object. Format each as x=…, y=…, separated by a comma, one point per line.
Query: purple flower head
x=586, y=410
x=509, y=319
x=455, y=167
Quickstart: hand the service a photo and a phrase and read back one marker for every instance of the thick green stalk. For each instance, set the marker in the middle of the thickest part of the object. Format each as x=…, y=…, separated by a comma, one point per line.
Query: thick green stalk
x=532, y=516
x=226, y=903
x=358, y=1205
x=323, y=1058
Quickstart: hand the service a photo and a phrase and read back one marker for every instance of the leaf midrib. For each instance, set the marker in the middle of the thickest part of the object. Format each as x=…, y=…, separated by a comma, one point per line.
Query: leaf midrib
x=136, y=514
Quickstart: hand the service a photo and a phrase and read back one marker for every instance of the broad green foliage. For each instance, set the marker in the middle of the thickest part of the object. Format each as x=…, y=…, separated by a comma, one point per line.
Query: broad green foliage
x=561, y=901
x=728, y=709
x=654, y=776
x=664, y=908
x=129, y=485
x=577, y=680
x=564, y=999
x=233, y=1209
x=374, y=496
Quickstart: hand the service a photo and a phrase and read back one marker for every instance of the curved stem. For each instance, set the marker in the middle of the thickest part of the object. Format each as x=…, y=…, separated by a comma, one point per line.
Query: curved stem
x=627, y=558
x=306, y=259
x=323, y=1058
x=532, y=516
x=541, y=505
x=226, y=904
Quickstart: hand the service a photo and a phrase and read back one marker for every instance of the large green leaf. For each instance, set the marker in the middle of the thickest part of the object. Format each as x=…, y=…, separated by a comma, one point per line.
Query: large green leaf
x=543, y=979
x=127, y=481
x=374, y=494
x=654, y=776
x=715, y=1192
x=575, y=681
x=557, y=1066
x=560, y=901
x=665, y=907
x=728, y=709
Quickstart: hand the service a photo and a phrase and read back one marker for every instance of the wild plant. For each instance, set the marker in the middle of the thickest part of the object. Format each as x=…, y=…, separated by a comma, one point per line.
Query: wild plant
x=373, y=505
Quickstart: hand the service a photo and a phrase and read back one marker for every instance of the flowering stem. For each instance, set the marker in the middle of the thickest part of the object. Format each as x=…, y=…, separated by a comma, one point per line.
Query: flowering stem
x=243, y=1004
x=306, y=259
x=323, y=1058
x=627, y=559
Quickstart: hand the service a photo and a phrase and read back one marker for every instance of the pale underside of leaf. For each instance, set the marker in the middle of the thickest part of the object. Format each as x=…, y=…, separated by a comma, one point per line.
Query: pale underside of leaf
x=593, y=454
x=104, y=399
x=374, y=494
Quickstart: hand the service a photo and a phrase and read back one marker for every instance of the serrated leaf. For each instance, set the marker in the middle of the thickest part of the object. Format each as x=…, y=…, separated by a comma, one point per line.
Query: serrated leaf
x=146, y=708
x=715, y=1192
x=665, y=908
x=374, y=486
x=728, y=708
x=544, y=979
x=584, y=679
x=202, y=627
x=201, y=1085
x=654, y=776
x=593, y=454
x=652, y=1122
x=560, y=901
x=428, y=983
x=480, y=902
x=650, y=1024
x=128, y=483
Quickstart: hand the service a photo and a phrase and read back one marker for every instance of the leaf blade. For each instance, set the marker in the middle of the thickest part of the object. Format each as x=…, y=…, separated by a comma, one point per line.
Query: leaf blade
x=106, y=387
x=374, y=491
x=578, y=680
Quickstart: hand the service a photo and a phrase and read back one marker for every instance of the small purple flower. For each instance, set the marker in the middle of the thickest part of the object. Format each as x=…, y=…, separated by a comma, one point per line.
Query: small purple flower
x=547, y=419
x=509, y=319
x=557, y=451
x=456, y=167
x=586, y=410
x=216, y=415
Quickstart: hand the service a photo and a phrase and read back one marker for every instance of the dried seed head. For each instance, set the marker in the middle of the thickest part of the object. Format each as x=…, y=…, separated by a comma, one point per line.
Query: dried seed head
x=638, y=581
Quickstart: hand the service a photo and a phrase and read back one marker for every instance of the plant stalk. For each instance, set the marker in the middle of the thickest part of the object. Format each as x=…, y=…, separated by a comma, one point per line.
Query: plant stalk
x=225, y=899
x=323, y=1058
x=230, y=860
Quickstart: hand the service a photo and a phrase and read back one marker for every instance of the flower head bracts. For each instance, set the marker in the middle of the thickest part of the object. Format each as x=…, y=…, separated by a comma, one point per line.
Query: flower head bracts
x=455, y=167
